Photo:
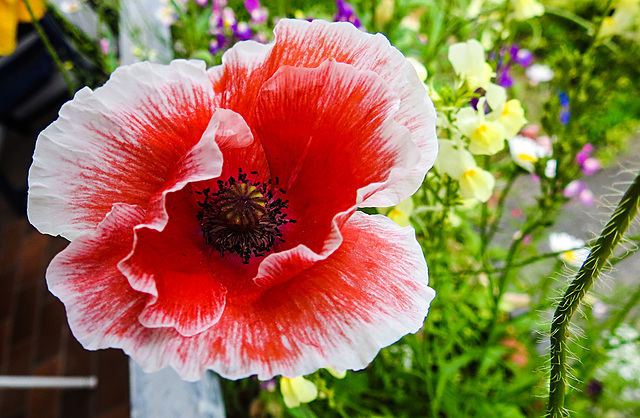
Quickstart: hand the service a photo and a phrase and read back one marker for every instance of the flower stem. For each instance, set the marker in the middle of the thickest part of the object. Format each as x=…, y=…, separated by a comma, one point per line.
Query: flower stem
x=602, y=250
x=50, y=49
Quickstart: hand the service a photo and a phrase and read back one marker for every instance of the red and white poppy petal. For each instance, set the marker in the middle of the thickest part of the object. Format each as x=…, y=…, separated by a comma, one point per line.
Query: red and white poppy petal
x=239, y=79
x=102, y=308
x=307, y=44
x=117, y=144
x=226, y=131
x=330, y=138
x=236, y=86
x=282, y=266
x=247, y=66
x=172, y=267
x=85, y=278
x=340, y=312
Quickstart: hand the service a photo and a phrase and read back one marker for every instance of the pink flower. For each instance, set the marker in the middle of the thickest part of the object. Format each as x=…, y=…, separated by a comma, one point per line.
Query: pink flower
x=580, y=190
x=170, y=182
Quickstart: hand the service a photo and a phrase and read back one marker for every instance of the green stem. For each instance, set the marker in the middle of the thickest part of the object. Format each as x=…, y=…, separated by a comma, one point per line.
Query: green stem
x=602, y=250
x=572, y=17
x=622, y=313
x=50, y=49
x=493, y=228
x=514, y=265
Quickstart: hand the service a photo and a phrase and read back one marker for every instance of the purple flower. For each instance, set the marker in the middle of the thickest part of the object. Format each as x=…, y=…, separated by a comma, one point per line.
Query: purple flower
x=579, y=190
x=217, y=43
x=243, y=31
x=584, y=153
x=594, y=388
x=346, y=13
x=506, y=57
x=524, y=57
x=229, y=19
x=258, y=14
x=503, y=78
x=589, y=164
x=268, y=385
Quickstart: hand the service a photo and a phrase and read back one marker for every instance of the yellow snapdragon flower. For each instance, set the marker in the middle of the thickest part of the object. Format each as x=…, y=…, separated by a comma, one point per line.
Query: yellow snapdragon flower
x=401, y=213
x=485, y=136
x=12, y=12
x=509, y=114
x=458, y=163
x=297, y=390
x=467, y=59
x=624, y=15
x=512, y=117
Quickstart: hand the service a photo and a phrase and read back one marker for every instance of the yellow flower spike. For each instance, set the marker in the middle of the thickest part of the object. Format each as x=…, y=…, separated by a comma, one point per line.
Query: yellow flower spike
x=12, y=12
x=335, y=373
x=297, y=390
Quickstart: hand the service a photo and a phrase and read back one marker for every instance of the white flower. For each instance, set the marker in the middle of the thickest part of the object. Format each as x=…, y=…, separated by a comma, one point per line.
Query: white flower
x=469, y=63
x=574, y=251
x=550, y=169
x=70, y=6
x=526, y=9
x=526, y=152
x=539, y=73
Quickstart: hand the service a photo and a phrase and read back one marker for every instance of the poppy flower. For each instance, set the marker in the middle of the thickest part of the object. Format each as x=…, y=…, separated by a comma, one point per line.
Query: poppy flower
x=213, y=214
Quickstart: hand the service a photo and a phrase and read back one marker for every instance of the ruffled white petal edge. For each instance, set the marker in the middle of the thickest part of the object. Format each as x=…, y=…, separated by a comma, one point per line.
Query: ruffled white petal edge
x=97, y=153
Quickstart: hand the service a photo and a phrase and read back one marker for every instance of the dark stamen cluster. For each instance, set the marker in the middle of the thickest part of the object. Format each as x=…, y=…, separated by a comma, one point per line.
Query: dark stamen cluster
x=242, y=217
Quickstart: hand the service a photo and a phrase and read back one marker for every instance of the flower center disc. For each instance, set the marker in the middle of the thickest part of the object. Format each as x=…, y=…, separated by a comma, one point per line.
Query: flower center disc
x=242, y=217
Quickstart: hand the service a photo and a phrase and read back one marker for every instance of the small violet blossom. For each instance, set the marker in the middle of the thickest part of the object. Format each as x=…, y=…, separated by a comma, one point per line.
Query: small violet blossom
x=226, y=29
x=346, y=13
x=258, y=14
x=506, y=57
